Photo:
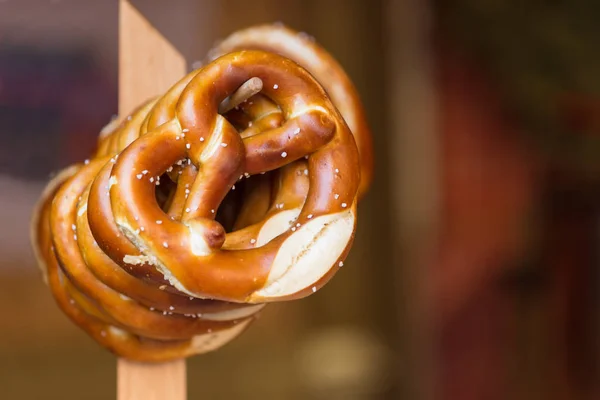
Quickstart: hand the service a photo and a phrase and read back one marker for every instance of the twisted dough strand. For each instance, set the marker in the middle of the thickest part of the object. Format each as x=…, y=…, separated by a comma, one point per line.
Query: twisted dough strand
x=303, y=49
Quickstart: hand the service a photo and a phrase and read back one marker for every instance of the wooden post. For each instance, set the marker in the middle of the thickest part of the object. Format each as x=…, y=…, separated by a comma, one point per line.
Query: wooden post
x=148, y=66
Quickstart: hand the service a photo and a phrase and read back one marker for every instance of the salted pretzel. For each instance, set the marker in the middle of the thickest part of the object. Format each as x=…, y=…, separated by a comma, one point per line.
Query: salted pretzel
x=303, y=49
x=94, y=319
x=150, y=248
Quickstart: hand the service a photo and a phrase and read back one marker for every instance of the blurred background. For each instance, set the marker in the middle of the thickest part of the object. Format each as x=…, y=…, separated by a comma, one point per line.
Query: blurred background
x=475, y=273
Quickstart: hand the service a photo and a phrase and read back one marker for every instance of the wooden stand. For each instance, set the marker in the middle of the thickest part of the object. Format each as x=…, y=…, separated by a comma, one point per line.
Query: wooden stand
x=148, y=66
x=138, y=381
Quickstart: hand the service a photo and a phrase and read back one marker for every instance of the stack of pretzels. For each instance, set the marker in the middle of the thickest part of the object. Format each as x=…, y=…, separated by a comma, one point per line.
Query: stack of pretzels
x=237, y=187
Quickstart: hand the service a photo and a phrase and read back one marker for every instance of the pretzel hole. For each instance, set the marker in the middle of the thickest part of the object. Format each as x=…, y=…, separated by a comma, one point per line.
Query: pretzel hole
x=246, y=204
x=229, y=209
x=164, y=191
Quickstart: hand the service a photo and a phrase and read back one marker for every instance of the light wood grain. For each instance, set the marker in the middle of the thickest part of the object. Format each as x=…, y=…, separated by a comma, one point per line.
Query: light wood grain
x=165, y=381
x=148, y=66
x=148, y=63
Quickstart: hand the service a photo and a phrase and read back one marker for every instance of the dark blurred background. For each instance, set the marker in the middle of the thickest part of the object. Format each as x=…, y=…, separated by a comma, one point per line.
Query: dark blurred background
x=475, y=273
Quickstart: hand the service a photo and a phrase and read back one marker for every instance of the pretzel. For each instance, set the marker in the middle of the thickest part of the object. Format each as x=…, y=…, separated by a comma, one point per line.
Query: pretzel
x=302, y=48
x=92, y=318
x=150, y=248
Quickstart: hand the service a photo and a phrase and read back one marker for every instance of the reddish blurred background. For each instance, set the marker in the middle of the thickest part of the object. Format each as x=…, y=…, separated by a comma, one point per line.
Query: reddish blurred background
x=475, y=273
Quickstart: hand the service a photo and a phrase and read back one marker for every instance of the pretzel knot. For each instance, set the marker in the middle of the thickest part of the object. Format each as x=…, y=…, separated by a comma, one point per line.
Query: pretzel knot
x=152, y=249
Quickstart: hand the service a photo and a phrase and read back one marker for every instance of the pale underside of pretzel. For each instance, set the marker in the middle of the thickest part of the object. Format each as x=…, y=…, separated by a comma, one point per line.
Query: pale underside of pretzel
x=151, y=248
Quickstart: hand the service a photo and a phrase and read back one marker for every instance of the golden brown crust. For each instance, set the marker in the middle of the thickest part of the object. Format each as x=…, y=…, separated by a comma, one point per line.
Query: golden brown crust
x=134, y=242
x=301, y=48
x=94, y=320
